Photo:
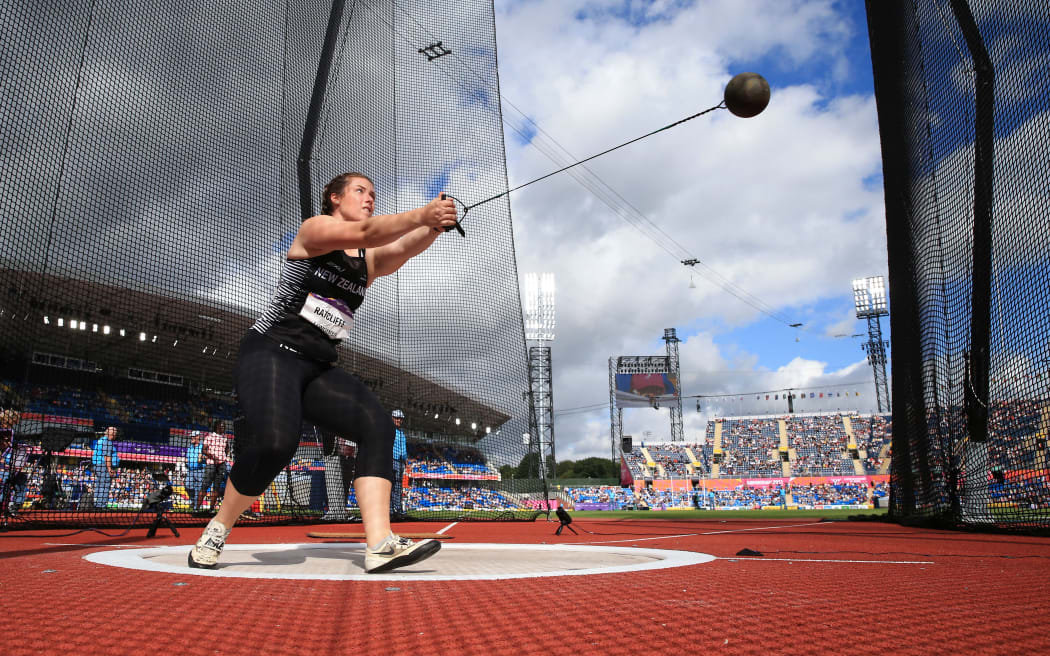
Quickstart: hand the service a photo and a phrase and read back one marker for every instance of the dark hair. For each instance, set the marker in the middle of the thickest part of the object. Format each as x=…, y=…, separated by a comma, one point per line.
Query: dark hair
x=218, y=426
x=336, y=186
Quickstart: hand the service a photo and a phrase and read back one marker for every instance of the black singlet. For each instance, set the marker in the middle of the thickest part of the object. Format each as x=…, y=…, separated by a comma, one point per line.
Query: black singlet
x=313, y=307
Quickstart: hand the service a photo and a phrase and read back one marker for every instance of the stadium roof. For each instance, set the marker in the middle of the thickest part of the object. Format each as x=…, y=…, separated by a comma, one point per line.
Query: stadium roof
x=195, y=339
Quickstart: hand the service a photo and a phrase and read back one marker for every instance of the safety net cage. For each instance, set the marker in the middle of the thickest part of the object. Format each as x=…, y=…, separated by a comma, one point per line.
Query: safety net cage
x=963, y=109
x=158, y=159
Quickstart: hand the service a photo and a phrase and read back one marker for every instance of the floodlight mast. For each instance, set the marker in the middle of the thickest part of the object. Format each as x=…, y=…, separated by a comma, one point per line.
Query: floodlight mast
x=869, y=297
x=671, y=340
x=538, y=305
x=615, y=414
x=538, y=302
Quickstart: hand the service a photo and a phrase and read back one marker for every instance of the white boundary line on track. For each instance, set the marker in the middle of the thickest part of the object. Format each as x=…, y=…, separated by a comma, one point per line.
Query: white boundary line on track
x=442, y=531
x=819, y=560
x=761, y=528
x=766, y=528
x=690, y=535
x=659, y=537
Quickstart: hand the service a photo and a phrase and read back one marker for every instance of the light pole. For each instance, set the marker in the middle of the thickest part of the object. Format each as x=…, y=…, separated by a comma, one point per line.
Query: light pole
x=869, y=296
x=538, y=307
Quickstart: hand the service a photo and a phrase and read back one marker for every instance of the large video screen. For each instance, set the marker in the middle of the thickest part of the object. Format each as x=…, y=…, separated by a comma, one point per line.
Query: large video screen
x=645, y=390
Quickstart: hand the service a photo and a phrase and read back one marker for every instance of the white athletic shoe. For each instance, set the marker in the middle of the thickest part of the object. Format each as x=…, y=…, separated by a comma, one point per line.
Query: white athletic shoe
x=205, y=554
x=396, y=551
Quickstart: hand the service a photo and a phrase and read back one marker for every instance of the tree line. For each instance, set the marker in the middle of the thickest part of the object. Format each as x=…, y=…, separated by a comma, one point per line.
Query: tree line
x=584, y=468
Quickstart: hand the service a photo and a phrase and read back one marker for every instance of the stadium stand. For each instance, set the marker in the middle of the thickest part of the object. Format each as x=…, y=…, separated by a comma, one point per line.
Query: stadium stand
x=820, y=443
x=114, y=408
x=831, y=494
x=443, y=461
x=450, y=476
x=437, y=471
x=1012, y=427
x=672, y=458
x=614, y=498
x=742, y=497
x=751, y=447
x=636, y=463
x=428, y=497
x=873, y=435
x=747, y=497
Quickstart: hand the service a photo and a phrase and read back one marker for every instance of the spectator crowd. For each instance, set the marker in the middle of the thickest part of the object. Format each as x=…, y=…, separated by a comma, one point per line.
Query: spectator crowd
x=448, y=476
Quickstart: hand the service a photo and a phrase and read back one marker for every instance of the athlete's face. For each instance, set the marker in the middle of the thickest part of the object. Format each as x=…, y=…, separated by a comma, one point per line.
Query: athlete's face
x=358, y=201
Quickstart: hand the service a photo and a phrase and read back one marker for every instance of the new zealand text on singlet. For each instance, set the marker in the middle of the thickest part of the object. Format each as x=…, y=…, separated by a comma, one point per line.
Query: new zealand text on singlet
x=313, y=307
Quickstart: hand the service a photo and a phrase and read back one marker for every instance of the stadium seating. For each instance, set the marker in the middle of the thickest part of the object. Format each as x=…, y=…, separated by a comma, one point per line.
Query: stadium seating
x=820, y=444
x=750, y=447
x=445, y=497
x=830, y=494
x=612, y=496
x=672, y=457
x=197, y=412
x=440, y=472
x=1011, y=427
x=743, y=497
x=445, y=461
x=873, y=435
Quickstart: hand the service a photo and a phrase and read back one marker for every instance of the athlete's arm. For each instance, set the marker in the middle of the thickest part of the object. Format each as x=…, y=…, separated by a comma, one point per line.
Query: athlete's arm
x=324, y=234
x=387, y=259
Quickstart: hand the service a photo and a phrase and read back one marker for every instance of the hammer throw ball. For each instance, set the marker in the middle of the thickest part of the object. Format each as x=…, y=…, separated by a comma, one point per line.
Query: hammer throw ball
x=747, y=94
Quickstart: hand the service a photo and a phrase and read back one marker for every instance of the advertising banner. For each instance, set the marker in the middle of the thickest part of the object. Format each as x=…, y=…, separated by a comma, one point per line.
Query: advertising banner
x=737, y=483
x=625, y=473
x=596, y=506
x=454, y=477
x=33, y=423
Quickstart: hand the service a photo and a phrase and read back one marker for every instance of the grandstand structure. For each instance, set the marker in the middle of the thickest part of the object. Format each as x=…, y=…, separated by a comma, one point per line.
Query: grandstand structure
x=744, y=462
x=781, y=446
x=755, y=462
x=451, y=465
x=145, y=230
x=756, y=494
x=109, y=331
x=822, y=455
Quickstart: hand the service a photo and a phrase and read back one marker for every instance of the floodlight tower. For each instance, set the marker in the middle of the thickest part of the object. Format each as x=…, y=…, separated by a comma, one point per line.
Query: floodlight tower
x=869, y=296
x=671, y=338
x=538, y=303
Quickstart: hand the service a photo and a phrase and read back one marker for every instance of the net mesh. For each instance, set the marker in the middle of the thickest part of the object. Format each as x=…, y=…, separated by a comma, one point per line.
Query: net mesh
x=963, y=113
x=149, y=193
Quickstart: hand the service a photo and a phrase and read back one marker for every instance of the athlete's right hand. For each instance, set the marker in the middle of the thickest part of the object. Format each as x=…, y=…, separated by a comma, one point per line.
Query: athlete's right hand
x=439, y=213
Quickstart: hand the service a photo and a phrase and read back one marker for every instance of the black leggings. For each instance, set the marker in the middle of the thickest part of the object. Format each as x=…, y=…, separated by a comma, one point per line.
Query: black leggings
x=277, y=389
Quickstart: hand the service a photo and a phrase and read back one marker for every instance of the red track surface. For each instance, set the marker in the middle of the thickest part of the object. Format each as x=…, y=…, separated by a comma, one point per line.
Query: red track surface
x=976, y=594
